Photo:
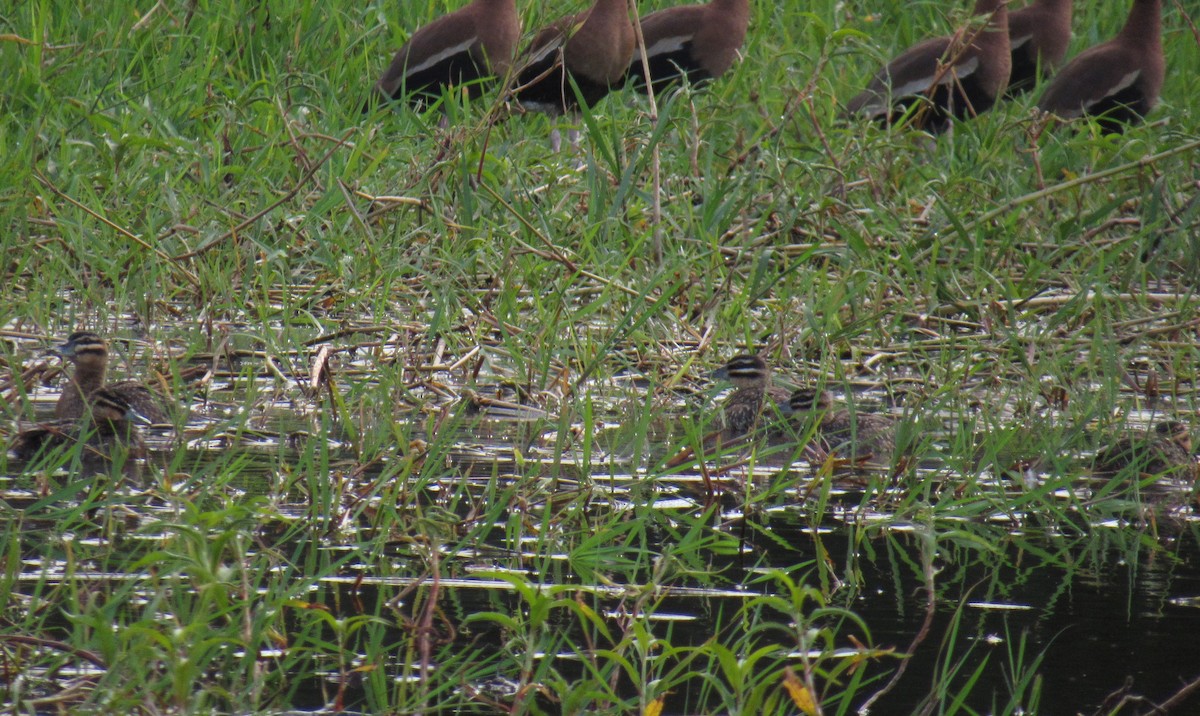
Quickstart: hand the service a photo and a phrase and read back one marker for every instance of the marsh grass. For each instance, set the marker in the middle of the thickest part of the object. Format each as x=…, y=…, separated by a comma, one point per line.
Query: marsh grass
x=198, y=177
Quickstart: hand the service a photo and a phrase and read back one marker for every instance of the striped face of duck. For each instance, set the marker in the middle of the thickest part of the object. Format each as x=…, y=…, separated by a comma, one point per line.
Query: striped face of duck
x=808, y=400
x=754, y=397
x=89, y=353
x=745, y=371
x=84, y=348
x=110, y=411
x=107, y=426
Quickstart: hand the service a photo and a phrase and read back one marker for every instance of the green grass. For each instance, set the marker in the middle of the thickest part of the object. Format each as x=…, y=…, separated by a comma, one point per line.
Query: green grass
x=197, y=183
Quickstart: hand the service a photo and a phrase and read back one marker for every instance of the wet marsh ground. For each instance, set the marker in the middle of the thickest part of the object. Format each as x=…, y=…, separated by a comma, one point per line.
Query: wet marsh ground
x=435, y=374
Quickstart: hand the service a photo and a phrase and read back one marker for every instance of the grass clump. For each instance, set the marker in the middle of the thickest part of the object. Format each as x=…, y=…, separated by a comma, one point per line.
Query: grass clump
x=344, y=525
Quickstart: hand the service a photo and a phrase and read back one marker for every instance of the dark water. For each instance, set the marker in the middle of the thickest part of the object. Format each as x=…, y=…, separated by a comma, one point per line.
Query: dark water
x=1073, y=619
x=1102, y=608
x=1084, y=615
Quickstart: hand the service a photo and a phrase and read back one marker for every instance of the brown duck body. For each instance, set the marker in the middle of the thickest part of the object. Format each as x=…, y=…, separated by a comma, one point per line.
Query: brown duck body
x=752, y=411
x=696, y=42
x=754, y=400
x=862, y=437
x=1038, y=35
x=858, y=437
x=468, y=45
x=89, y=353
x=1165, y=449
x=950, y=79
x=592, y=48
x=746, y=408
x=106, y=429
x=1118, y=81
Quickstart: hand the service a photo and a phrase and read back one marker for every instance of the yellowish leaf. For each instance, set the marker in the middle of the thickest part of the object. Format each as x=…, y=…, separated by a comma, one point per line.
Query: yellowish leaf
x=801, y=696
x=655, y=707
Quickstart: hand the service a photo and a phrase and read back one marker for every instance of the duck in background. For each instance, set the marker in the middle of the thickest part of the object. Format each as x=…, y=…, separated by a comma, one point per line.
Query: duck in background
x=861, y=438
x=591, y=50
x=1038, y=35
x=692, y=42
x=463, y=48
x=1164, y=449
x=955, y=76
x=1118, y=81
